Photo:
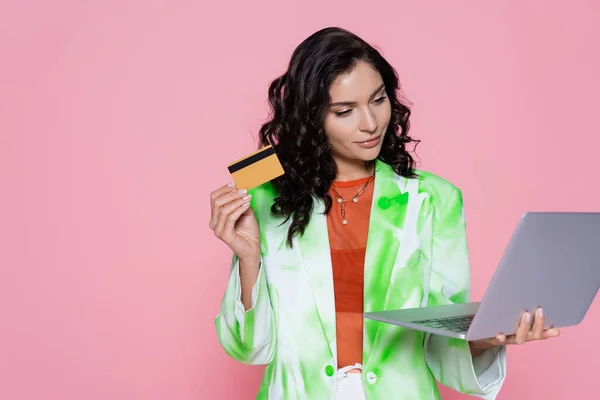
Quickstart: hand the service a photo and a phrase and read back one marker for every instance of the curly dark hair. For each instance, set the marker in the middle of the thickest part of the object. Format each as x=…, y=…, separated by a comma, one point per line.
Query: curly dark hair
x=300, y=100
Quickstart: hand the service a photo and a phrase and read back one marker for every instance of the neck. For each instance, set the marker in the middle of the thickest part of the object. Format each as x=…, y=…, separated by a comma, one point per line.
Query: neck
x=349, y=170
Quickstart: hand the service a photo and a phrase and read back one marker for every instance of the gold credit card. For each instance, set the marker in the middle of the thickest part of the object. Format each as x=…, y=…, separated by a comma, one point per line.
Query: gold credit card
x=256, y=168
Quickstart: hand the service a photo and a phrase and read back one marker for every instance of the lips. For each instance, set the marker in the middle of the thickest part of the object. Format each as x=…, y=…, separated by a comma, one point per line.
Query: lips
x=370, y=142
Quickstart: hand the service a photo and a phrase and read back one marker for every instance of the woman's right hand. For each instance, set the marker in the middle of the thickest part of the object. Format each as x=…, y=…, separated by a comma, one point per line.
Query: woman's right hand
x=232, y=220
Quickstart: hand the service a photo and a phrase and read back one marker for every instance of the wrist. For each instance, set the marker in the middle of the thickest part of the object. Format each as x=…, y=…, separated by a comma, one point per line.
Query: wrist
x=249, y=270
x=479, y=347
x=249, y=260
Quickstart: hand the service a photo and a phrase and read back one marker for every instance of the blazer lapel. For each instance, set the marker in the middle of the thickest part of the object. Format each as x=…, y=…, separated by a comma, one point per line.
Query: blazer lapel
x=315, y=253
x=384, y=250
x=385, y=237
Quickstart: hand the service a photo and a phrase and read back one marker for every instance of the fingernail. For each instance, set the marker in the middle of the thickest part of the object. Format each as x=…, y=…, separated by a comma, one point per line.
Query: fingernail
x=540, y=313
x=247, y=197
x=243, y=191
x=527, y=317
x=231, y=184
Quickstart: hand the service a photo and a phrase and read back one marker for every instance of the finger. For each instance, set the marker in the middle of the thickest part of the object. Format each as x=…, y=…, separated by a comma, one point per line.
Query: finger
x=538, y=325
x=501, y=339
x=214, y=211
x=229, y=232
x=550, y=333
x=523, y=329
x=221, y=191
x=220, y=202
x=229, y=198
x=226, y=214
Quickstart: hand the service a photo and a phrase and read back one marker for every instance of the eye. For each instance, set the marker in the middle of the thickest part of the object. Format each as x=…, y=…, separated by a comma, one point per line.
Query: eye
x=343, y=113
x=379, y=100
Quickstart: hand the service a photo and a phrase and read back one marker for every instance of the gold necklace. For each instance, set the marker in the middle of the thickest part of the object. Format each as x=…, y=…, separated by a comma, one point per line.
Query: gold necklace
x=343, y=202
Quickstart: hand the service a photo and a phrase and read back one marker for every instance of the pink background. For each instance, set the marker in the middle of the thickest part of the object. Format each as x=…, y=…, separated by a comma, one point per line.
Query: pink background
x=118, y=118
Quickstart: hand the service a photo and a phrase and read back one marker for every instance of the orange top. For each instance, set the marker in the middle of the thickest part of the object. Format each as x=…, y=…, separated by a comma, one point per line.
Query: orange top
x=348, y=245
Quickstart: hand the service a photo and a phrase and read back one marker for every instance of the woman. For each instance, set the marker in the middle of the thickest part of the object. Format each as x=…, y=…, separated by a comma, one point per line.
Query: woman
x=351, y=227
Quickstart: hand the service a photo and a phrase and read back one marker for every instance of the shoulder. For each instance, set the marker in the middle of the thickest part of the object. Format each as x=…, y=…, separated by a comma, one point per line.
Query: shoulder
x=436, y=185
x=444, y=198
x=437, y=191
x=424, y=183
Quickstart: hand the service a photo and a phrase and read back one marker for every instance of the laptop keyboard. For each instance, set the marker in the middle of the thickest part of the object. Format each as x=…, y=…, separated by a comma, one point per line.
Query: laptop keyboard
x=454, y=324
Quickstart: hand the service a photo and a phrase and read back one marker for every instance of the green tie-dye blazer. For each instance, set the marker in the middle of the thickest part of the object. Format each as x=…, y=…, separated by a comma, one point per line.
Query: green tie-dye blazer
x=416, y=256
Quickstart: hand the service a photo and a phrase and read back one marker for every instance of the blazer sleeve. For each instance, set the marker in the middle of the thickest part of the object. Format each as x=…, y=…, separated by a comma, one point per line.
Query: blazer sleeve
x=249, y=335
x=450, y=359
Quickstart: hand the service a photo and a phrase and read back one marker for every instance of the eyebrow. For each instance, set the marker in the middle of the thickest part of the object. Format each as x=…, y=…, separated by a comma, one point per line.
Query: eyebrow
x=353, y=103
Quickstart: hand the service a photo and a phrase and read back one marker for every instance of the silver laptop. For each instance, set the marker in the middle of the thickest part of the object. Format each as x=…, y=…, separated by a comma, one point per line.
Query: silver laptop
x=552, y=261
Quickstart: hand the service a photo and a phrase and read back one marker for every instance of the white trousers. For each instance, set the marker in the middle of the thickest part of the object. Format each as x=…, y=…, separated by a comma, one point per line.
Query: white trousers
x=350, y=384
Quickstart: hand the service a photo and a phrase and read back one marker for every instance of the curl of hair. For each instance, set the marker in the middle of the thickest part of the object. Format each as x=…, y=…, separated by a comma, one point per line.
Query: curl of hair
x=299, y=100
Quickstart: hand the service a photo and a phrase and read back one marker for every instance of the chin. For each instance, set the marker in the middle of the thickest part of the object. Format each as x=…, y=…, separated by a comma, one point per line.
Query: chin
x=369, y=154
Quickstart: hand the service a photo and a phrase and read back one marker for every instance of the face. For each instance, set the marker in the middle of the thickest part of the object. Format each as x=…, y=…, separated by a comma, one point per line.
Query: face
x=359, y=114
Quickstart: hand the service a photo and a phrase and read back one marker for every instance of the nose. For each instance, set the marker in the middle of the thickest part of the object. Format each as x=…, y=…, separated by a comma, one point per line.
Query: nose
x=368, y=122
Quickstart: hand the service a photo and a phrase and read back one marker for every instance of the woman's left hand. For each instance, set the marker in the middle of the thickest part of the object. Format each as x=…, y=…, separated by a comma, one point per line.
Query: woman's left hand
x=526, y=332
